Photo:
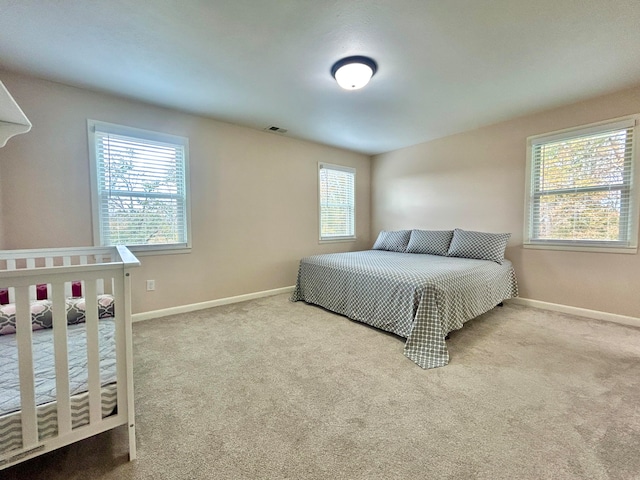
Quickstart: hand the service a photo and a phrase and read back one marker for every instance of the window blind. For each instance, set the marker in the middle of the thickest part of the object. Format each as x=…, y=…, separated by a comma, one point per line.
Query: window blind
x=337, y=202
x=581, y=187
x=141, y=190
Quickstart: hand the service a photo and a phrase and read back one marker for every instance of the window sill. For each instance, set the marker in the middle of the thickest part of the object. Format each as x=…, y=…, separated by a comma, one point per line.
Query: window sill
x=337, y=240
x=148, y=250
x=581, y=248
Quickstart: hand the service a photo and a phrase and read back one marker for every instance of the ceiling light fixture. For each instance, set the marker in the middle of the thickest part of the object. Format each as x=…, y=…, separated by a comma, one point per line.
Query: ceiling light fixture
x=353, y=73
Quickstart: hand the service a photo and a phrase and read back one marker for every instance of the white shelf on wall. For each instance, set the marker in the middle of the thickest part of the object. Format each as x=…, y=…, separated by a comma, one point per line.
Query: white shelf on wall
x=13, y=121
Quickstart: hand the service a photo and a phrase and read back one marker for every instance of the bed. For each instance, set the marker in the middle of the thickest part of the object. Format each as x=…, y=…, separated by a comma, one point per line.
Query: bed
x=418, y=296
x=65, y=347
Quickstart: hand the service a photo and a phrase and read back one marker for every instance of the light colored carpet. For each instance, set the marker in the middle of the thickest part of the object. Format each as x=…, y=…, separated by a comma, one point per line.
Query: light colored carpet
x=268, y=389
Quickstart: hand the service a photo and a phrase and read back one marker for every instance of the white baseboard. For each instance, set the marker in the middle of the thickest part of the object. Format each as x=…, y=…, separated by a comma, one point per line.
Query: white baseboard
x=139, y=317
x=582, y=312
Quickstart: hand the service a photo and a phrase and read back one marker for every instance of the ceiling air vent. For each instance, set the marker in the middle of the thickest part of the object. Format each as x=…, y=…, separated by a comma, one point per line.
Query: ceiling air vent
x=273, y=128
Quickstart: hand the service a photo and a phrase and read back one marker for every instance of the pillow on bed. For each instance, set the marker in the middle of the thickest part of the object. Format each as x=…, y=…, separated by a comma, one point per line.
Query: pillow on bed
x=480, y=245
x=76, y=309
x=41, y=316
x=431, y=242
x=395, y=241
x=42, y=313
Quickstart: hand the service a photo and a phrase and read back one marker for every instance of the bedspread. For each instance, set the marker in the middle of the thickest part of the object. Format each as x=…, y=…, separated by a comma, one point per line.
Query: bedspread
x=416, y=296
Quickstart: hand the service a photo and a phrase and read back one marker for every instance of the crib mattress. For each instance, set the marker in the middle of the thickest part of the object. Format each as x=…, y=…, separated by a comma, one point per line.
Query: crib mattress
x=45, y=385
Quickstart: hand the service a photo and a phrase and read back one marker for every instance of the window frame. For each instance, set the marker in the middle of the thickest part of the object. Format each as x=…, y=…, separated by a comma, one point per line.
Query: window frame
x=142, y=134
x=342, y=238
x=629, y=246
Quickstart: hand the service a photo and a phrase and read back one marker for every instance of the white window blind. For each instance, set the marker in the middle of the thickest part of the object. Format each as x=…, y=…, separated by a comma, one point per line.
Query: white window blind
x=140, y=186
x=337, y=202
x=581, y=187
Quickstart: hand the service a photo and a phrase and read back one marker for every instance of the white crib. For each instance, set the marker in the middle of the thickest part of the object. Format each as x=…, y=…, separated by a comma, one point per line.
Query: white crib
x=100, y=270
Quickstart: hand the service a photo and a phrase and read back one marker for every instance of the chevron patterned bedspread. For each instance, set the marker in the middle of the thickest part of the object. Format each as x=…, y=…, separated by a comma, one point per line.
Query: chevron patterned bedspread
x=416, y=296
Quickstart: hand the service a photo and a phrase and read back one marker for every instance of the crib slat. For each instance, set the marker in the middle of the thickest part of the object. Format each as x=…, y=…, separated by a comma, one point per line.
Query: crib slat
x=31, y=264
x=121, y=353
x=61, y=358
x=93, y=353
x=25, y=369
x=122, y=285
x=11, y=265
x=66, y=261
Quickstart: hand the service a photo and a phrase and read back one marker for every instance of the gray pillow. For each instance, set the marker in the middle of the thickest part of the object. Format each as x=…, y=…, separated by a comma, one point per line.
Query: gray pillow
x=480, y=245
x=431, y=242
x=393, y=241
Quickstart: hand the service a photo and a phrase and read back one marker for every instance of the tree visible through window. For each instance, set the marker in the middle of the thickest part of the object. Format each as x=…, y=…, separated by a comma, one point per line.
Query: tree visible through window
x=581, y=186
x=140, y=188
x=337, y=202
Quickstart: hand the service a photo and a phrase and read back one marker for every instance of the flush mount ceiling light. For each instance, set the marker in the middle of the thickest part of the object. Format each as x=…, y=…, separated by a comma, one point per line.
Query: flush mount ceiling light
x=353, y=73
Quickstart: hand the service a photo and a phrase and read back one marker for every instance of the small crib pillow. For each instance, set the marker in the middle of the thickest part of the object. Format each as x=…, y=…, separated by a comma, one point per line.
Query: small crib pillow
x=76, y=308
x=395, y=241
x=42, y=313
x=41, y=316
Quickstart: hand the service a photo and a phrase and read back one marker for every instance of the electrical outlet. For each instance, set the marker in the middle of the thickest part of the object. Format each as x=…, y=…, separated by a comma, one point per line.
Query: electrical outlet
x=151, y=285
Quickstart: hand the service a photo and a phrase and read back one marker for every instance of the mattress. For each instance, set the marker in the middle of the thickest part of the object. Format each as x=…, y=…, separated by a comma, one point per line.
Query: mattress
x=416, y=296
x=45, y=386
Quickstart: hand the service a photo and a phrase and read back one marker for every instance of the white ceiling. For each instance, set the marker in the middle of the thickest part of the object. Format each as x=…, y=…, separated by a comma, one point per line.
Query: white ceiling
x=444, y=66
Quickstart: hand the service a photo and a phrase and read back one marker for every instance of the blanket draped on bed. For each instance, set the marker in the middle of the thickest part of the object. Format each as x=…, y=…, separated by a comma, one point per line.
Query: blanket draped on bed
x=419, y=297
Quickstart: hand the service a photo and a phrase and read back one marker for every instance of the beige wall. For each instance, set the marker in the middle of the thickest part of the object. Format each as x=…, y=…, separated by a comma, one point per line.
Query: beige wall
x=475, y=180
x=254, y=194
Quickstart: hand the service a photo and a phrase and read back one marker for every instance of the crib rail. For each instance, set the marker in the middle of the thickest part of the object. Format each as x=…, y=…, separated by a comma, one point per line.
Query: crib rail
x=34, y=263
x=97, y=270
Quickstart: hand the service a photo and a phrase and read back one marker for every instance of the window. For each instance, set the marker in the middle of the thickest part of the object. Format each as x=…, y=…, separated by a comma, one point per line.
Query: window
x=337, y=202
x=581, y=190
x=139, y=187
